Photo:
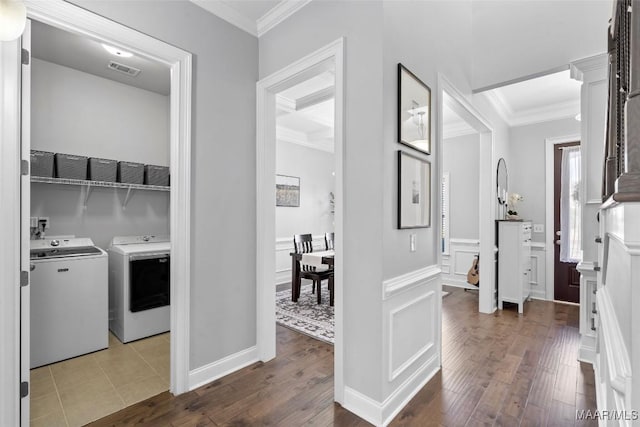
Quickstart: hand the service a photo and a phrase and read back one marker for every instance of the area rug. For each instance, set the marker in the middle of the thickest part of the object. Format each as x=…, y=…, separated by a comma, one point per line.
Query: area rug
x=306, y=316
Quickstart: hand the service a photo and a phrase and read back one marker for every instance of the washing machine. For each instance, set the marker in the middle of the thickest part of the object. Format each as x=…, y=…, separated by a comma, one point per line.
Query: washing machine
x=139, y=286
x=69, y=299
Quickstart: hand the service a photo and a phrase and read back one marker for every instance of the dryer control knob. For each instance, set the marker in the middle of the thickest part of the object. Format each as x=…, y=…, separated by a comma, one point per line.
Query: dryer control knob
x=55, y=243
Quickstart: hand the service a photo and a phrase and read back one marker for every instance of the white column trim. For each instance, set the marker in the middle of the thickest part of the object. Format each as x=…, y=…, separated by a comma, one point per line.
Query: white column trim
x=486, y=184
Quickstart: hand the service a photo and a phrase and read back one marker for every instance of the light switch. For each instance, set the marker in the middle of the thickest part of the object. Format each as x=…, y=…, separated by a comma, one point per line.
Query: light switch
x=538, y=228
x=33, y=222
x=412, y=242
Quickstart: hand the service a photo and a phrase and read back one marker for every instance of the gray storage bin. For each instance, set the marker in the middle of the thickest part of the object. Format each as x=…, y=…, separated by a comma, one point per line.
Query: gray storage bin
x=42, y=163
x=156, y=175
x=102, y=169
x=130, y=172
x=71, y=166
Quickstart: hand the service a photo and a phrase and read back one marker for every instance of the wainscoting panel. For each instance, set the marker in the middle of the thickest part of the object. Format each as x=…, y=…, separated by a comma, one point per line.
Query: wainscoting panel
x=458, y=261
x=412, y=307
x=284, y=246
x=537, y=278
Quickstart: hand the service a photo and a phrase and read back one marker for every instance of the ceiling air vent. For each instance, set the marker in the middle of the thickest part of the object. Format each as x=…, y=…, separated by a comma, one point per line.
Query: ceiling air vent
x=125, y=69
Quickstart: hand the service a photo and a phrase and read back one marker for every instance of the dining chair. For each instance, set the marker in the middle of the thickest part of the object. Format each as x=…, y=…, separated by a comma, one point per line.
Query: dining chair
x=303, y=243
x=328, y=241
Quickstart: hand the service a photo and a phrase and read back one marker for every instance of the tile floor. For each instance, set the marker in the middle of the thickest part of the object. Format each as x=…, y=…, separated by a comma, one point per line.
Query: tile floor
x=83, y=389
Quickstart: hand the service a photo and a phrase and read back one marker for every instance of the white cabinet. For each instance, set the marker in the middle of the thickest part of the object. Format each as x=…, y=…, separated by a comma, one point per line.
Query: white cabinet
x=514, y=262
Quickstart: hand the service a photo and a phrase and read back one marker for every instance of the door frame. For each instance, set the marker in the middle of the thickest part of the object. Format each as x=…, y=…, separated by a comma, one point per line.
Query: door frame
x=486, y=186
x=549, y=145
x=266, y=90
x=74, y=19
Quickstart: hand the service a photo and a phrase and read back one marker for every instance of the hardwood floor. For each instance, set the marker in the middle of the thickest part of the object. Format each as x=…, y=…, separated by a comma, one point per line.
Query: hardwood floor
x=500, y=369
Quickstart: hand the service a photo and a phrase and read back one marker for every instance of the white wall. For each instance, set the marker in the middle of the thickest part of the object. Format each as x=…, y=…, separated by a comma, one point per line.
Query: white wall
x=147, y=212
x=315, y=169
x=78, y=113
x=527, y=169
x=515, y=39
x=223, y=197
x=460, y=159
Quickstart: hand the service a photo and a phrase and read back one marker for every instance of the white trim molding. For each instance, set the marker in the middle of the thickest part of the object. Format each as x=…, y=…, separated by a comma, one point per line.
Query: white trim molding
x=220, y=368
x=395, y=285
x=279, y=13
x=486, y=183
x=74, y=19
x=230, y=14
x=10, y=225
x=428, y=297
x=266, y=90
x=458, y=261
x=382, y=413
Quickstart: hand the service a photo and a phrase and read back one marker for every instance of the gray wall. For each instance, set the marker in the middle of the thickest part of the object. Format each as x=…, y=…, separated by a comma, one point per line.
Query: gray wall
x=223, y=294
x=314, y=168
x=515, y=39
x=526, y=169
x=460, y=159
x=314, y=26
x=428, y=37
x=79, y=113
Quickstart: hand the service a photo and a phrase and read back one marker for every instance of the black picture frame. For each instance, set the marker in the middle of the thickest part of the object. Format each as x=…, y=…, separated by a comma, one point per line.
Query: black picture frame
x=414, y=111
x=414, y=191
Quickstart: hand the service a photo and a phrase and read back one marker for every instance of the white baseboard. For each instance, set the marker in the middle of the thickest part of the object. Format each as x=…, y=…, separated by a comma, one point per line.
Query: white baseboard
x=218, y=369
x=458, y=284
x=403, y=394
x=381, y=414
x=283, y=276
x=587, y=350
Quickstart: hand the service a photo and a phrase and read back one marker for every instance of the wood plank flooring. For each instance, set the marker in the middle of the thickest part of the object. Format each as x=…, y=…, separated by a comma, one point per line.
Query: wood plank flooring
x=500, y=369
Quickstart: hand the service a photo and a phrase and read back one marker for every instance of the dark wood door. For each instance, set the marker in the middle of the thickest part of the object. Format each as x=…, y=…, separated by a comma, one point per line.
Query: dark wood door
x=566, y=277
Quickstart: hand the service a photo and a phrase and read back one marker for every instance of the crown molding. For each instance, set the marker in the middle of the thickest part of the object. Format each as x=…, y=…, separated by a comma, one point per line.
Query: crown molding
x=301, y=138
x=498, y=102
x=531, y=116
x=279, y=13
x=548, y=113
x=229, y=14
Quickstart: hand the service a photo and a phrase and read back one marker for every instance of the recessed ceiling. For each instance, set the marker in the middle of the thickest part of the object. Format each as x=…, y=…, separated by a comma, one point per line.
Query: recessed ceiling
x=551, y=97
x=305, y=112
x=84, y=54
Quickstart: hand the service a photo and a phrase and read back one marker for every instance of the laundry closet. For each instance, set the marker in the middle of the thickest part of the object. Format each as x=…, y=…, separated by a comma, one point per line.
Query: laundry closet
x=100, y=195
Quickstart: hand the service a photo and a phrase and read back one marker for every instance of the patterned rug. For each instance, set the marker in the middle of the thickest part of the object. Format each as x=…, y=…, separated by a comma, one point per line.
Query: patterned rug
x=306, y=316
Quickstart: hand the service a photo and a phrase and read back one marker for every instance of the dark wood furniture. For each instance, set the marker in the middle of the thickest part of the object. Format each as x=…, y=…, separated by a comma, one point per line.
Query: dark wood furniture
x=328, y=241
x=303, y=243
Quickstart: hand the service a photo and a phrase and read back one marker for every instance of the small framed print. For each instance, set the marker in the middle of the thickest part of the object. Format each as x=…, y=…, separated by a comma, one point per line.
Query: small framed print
x=287, y=191
x=414, y=111
x=414, y=191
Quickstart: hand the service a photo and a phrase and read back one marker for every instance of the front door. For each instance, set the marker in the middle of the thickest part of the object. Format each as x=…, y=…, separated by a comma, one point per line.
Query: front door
x=566, y=277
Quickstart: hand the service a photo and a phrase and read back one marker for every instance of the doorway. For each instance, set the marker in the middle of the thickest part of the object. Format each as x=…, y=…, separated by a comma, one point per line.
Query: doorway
x=486, y=187
x=76, y=20
x=567, y=221
x=95, y=351
x=329, y=57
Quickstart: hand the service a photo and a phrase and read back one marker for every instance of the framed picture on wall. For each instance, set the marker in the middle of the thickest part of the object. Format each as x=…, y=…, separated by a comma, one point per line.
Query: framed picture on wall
x=287, y=191
x=414, y=111
x=414, y=191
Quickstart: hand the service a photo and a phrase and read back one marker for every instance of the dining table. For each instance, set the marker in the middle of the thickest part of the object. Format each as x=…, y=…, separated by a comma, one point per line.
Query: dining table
x=311, y=258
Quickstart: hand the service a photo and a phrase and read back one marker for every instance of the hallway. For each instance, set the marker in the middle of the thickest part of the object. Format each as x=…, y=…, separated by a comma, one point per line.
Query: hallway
x=498, y=369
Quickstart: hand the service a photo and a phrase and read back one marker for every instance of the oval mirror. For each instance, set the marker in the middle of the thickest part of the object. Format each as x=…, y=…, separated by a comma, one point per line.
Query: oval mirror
x=502, y=182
